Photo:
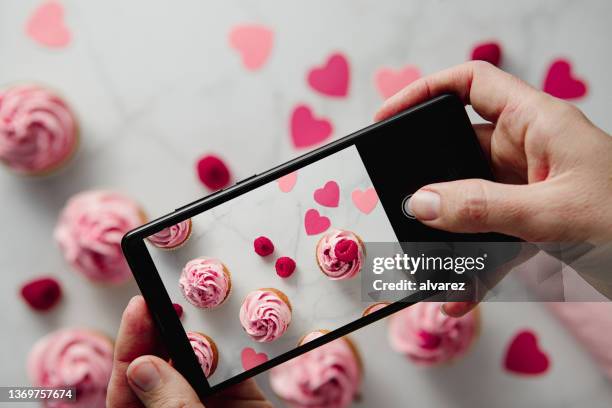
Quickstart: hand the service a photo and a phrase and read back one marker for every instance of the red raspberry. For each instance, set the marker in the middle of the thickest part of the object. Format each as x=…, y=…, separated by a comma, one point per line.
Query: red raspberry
x=346, y=250
x=178, y=309
x=429, y=341
x=263, y=246
x=213, y=172
x=41, y=293
x=284, y=266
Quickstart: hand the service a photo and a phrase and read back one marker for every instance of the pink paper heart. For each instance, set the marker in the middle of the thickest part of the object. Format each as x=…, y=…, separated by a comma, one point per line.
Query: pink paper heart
x=332, y=79
x=250, y=358
x=46, y=25
x=315, y=223
x=287, y=182
x=488, y=51
x=366, y=200
x=389, y=81
x=524, y=356
x=306, y=130
x=253, y=42
x=328, y=195
x=561, y=83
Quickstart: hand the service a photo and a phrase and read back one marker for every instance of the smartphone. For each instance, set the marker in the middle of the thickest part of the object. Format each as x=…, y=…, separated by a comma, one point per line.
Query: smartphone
x=372, y=172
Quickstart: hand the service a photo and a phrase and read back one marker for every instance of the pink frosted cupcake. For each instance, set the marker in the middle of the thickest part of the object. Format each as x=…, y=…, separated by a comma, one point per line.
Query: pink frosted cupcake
x=205, y=350
x=73, y=358
x=374, y=307
x=265, y=314
x=428, y=337
x=173, y=236
x=328, y=376
x=89, y=233
x=340, y=254
x=38, y=131
x=205, y=282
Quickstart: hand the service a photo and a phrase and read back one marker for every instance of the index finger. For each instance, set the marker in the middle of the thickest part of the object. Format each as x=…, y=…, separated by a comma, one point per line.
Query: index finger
x=488, y=89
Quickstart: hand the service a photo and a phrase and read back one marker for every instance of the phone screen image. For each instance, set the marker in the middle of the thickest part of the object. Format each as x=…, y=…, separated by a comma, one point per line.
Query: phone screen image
x=301, y=213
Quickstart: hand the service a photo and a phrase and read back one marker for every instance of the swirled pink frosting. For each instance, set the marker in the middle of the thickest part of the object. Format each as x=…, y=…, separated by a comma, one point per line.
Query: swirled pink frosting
x=172, y=236
x=428, y=337
x=264, y=316
x=73, y=358
x=203, y=351
x=330, y=264
x=328, y=376
x=89, y=233
x=204, y=282
x=37, y=129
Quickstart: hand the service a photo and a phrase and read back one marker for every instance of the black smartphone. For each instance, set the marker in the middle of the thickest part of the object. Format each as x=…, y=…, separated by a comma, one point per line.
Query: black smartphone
x=359, y=183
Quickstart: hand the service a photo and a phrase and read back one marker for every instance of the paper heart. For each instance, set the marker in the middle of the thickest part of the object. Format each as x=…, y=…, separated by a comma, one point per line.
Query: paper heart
x=389, y=81
x=488, y=51
x=46, y=25
x=328, y=195
x=250, y=358
x=315, y=223
x=523, y=355
x=366, y=200
x=561, y=83
x=332, y=79
x=306, y=130
x=287, y=182
x=253, y=42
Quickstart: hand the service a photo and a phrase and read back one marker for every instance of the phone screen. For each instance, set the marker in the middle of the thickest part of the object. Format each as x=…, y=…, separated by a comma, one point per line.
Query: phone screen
x=355, y=191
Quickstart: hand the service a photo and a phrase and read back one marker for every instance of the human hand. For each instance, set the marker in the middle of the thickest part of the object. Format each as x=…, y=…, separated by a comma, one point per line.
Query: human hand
x=551, y=164
x=141, y=378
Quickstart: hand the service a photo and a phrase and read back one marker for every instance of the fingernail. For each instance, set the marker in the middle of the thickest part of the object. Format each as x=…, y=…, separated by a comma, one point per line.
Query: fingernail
x=425, y=205
x=144, y=375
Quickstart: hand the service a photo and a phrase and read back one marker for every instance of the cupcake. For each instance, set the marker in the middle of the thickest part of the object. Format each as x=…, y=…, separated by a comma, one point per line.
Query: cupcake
x=172, y=237
x=328, y=376
x=75, y=358
x=89, y=233
x=205, y=350
x=38, y=131
x=205, y=282
x=265, y=314
x=428, y=337
x=340, y=254
x=374, y=307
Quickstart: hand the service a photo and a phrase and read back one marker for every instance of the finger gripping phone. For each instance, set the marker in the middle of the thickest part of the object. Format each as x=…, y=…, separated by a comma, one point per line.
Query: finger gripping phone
x=359, y=183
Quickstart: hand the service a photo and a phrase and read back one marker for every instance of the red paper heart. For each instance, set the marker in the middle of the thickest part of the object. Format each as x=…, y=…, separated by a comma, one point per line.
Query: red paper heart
x=250, y=358
x=390, y=81
x=287, y=182
x=332, y=79
x=524, y=356
x=41, y=293
x=489, y=51
x=315, y=223
x=328, y=195
x=366, y=200
x=46, y=25
x=306, y=130
x=254, y=43
x=561, y=83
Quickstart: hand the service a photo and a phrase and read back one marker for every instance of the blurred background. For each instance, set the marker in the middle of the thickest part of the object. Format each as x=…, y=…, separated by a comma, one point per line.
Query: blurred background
x=156, y=85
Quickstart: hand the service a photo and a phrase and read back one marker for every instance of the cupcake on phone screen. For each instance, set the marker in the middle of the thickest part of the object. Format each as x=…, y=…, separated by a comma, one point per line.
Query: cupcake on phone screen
x=265, y=314
x=205, y=282
x=172, y=237
x=205, y=350
x=340, y=254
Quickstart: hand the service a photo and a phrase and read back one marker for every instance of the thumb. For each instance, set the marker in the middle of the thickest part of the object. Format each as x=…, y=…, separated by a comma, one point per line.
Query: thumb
x=475, y=205
x=159, y=385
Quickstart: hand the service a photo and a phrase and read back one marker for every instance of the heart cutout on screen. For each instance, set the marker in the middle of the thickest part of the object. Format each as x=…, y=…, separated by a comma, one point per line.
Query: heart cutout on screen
x=561, y=82
x=306, y=130
x=524, y=355
x=250, y=358
x=390, y=81
x=287, y=182
x=254, y=44
x=47, y=27
x=332, y=79
x=328, y=195
x=365, y=200
x=315, y=223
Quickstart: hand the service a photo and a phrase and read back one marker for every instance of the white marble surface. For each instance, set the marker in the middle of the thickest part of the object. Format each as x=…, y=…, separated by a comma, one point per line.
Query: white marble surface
x=155, y=85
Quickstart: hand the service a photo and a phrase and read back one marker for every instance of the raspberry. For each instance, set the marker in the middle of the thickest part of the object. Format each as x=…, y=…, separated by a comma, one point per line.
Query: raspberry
x=213, y=172
x=42, y=293
x=284, y=266
x=346, y=250
x=178, y=309
x=263, y=246
x=429, y=341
